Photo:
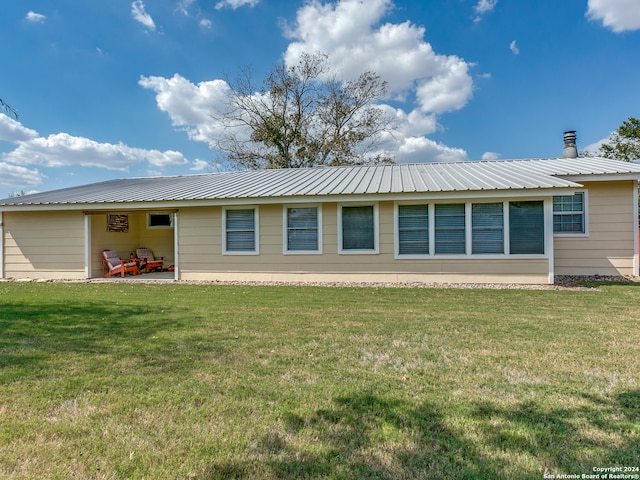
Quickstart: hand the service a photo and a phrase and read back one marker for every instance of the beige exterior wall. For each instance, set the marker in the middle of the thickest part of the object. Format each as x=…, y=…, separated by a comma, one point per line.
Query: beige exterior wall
x=51, y=245
x=44, y=245
x=201, y=257
x=608, y=248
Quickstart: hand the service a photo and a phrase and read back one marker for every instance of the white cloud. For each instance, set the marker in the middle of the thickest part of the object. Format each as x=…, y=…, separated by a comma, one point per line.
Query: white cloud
x=421, y=150
x=594, y=148
x=62, y=149
x=139, y=14
x=514, y=48
x=12, y=175
x=483, y=7
x=618, y=15
x=199, y=165
x=490, y=156
x=13, y=131
x=234, y=4
x=349, y=32
x=183, y=6
x=190, y=106
x=205, y=23
x=35, y=17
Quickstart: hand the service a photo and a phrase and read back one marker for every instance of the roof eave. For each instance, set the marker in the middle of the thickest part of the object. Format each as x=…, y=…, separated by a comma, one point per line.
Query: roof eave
x=449, y=195
x=600, y=177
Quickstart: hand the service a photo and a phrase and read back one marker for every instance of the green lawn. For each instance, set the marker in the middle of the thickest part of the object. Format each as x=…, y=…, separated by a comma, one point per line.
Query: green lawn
x=172, y=381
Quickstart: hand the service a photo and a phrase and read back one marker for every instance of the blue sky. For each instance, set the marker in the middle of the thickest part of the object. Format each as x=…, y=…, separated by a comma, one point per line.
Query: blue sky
x=121, y=88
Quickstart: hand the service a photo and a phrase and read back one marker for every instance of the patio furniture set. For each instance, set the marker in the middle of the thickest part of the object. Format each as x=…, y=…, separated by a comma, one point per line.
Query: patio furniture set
x=144, y=261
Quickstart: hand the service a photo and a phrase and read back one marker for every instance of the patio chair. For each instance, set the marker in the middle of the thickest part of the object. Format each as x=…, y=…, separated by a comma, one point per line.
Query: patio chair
x=112, y=265
x=152, y=263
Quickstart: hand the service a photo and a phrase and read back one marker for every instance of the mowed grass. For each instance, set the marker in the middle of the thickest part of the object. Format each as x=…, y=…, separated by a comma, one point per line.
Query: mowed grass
x=169, y=381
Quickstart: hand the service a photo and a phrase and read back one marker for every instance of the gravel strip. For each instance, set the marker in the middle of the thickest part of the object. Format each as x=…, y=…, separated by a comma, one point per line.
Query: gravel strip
x=563, y=282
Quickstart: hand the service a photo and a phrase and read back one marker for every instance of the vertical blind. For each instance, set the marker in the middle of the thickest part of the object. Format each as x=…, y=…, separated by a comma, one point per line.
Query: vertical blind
x=413, y=230
x=526, y=227
x=302, y=229
x=450, y=223
x=240, y=230
x=487, y=226
x=358, y=232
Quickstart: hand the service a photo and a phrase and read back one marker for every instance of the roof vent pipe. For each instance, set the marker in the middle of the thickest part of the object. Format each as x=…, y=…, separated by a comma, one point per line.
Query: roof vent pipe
x=570, y=149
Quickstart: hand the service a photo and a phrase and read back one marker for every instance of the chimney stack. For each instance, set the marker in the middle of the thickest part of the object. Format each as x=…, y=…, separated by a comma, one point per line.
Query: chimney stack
x=570, y=149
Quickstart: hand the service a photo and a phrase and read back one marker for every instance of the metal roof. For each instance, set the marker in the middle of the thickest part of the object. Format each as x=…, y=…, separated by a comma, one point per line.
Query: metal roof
x=337, y=181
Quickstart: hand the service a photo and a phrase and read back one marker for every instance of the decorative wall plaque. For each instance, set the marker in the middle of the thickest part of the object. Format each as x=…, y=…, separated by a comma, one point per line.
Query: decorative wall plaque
x=117, y=223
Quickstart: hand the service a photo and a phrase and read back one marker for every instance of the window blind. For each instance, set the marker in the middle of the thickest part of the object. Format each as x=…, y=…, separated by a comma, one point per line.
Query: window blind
x=526, y=227
x=302, y=229
x=450, y=228
x=240, y=230
x=487, y=222
x=358, y=232
x=413, y=230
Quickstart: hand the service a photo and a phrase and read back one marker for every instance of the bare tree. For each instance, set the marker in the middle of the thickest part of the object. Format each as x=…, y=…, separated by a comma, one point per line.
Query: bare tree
x=8, y=108
x=301, y=116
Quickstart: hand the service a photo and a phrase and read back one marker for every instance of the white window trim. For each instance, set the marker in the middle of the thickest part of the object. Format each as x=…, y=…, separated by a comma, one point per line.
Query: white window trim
x=376, y=230
x=285, y=236
x=256, y=224
x=585, y=219
x=469, y=232
x=160, y=227
x=505, y=233
x=396, y=232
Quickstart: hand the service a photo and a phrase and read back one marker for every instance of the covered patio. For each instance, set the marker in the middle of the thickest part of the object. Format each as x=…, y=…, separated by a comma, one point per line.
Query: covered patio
x=128, y=232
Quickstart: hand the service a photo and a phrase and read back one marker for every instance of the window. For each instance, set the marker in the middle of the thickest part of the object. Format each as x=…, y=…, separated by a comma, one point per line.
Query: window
x=302, y=230
x=240, y=231
x=526, y=227
x=569, y=214
x=487, y=228
x=413, y=230
x=160, y=220
x=450, y=228
x=358, y=229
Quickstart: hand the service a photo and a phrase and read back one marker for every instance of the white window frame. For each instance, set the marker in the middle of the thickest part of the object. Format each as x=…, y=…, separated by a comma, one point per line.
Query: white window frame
x=160, y=227
x=505, y=226
x=467, y=224
x=469, y=230
x=585, y=216
x=256, y=228
x=285, y=230
x=547, y=245
x=396, y=230
x=376, y=229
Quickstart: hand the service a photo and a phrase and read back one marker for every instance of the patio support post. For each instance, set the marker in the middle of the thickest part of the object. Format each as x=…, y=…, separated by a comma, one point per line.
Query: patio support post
x=87, y=246
x=176, y=251
x=1, y=245
x=548, y=237
x=636, y=232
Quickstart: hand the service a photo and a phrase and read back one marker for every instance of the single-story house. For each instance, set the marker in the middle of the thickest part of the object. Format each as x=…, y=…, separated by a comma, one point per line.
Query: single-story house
x=512, y=221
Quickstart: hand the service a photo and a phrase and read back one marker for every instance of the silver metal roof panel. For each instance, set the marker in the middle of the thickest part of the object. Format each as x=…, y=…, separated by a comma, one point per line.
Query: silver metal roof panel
x=336, y=181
